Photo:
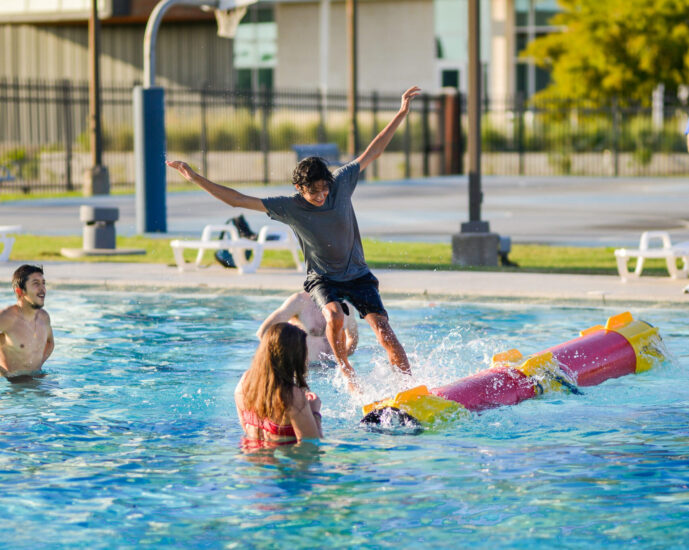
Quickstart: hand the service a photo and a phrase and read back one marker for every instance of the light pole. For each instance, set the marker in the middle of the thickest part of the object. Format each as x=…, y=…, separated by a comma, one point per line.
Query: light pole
x=353, y=133
x=475, y=245
x=96, y=178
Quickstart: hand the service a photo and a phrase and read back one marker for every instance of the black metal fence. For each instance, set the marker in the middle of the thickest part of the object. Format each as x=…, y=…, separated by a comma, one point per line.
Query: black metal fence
x=233, y=136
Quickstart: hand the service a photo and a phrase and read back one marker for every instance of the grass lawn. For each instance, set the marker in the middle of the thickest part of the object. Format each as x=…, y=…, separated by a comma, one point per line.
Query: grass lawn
x=379, y=254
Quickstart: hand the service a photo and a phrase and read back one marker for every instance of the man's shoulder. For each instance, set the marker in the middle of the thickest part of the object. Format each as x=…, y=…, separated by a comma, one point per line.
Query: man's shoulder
x=282, y=205
x=346, y=170
x=9, y=311
x=295, y=300
x=7, y=317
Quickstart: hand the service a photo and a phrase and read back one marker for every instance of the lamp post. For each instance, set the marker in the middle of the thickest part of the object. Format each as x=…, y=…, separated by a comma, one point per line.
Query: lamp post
x=352, y=107
x=475, y=245
x=96, y=178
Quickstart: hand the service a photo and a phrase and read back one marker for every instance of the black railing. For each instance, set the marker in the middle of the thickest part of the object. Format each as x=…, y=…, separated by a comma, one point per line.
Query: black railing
x=234, y=136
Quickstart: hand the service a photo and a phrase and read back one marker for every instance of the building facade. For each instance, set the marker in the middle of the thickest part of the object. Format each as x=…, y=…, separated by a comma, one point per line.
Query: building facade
x=286, y=44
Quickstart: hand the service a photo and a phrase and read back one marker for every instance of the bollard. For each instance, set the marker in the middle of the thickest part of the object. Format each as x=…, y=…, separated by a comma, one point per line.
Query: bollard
x=99, y=226
x=99, y=238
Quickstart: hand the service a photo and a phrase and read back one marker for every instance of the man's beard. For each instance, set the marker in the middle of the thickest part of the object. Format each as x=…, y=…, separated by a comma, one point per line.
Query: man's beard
x=35, y=306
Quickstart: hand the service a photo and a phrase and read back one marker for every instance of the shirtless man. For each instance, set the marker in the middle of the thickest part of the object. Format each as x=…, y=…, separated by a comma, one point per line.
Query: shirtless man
x=26, y=338
x=300, y=310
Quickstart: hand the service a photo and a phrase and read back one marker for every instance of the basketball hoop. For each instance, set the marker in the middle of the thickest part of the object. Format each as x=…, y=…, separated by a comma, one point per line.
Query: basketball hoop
x=228, y=20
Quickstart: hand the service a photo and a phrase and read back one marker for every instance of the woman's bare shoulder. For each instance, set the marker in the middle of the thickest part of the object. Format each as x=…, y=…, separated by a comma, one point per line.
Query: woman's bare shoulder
x=298, y=398
x=239, y=390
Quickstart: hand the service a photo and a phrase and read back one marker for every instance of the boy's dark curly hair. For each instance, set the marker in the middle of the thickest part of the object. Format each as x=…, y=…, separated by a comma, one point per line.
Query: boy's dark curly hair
x=309, y=171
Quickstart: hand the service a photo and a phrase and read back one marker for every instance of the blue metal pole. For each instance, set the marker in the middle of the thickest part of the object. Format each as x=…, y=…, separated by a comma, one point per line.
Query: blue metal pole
x=149, y=154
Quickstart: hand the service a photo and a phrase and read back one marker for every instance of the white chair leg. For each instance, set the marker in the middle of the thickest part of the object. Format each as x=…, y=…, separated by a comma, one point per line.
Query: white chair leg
x=199, y=257
x=297, y=261
x=178, y=253
x=622, y=268
x=248, y=266
x=639, y=266
x=7, y=244
x=671, y=263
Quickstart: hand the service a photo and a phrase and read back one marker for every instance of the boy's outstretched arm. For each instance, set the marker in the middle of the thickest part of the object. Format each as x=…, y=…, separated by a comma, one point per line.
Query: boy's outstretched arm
x=225, y=194
x=380, y=142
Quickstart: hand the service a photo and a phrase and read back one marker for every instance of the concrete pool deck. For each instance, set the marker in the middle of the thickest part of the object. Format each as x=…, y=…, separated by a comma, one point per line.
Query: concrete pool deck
x=469, y=285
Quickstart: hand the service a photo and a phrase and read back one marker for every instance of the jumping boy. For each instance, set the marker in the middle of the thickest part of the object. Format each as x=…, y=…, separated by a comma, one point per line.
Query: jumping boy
x=322, y=217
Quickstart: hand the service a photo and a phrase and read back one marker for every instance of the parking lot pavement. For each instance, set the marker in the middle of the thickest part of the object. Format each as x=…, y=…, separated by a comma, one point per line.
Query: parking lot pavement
x=549, y=210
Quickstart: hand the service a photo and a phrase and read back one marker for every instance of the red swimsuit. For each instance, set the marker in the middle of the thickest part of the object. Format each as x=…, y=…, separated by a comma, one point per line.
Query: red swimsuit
x=250, y=417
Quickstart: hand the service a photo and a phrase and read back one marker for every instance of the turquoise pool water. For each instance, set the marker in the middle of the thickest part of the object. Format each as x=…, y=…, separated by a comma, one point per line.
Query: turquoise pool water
x=132, y=440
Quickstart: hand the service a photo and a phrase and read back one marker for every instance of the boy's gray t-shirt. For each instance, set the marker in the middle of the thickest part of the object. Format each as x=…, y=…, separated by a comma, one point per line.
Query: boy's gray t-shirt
x=329, y=234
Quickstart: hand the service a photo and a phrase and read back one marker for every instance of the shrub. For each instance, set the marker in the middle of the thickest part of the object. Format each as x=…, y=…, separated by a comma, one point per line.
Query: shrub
x=561, y=161
x=23, y=164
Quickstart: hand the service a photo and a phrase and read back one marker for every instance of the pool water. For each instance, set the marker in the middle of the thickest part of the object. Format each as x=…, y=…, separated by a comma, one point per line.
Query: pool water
x=131, y=439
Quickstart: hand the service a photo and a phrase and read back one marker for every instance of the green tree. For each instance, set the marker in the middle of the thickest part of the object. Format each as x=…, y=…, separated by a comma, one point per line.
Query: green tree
x=615, y=48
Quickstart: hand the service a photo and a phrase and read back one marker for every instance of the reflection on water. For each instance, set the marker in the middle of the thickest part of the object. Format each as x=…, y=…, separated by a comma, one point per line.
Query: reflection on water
x=131, y=438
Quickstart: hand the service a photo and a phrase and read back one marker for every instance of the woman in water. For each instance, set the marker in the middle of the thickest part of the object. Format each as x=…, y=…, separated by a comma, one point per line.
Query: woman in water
x=272, y=397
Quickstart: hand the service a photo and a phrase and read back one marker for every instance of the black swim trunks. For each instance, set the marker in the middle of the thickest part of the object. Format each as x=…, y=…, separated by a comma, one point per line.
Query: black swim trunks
x=361, y=292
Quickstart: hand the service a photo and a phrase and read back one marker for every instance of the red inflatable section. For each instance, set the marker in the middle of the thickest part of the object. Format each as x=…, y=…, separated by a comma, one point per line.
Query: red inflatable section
x=596, y=357
x=489, y=388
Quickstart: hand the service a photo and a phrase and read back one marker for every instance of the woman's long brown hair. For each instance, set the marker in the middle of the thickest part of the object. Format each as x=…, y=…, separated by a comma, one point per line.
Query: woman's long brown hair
x=278, y=366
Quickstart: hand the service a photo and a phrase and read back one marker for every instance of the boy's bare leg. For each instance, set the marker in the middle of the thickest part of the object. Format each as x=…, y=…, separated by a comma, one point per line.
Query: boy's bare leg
x=335, y=333
x=387, y=338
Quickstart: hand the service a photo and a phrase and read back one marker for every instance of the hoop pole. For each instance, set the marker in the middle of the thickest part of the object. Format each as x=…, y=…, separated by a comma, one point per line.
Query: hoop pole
x=151, y=33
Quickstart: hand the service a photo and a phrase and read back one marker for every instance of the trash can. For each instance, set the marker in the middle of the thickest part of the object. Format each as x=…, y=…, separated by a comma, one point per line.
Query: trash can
x=99, y=226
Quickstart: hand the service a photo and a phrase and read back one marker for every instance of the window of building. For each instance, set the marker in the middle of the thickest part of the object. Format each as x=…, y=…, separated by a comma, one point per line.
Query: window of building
x=532, y=19
x=450, y=78
x=255, y=48
x=451, y=39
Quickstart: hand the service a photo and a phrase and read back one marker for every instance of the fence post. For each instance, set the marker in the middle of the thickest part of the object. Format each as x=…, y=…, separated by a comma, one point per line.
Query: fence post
x=520, y=132
x=67, y=132
x=374, y=130
x=17, y=110
x=204, y=130
x=425, y=135
x=615, y=136
x=407, y=147
x=265, y=140
x=322, y=134
x=452, y=144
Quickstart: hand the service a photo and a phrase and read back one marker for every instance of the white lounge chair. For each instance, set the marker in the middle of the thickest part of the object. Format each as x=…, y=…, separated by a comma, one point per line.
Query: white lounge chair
x=667, y=252
x=7, y=240
x=237, y=246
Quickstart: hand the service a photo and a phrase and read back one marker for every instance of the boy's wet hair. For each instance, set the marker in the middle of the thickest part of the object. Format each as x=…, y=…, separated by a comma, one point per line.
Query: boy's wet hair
x=309, y=171
x=22, y=274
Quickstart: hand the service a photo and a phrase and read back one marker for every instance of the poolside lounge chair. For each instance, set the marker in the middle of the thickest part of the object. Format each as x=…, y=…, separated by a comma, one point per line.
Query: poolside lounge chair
x=7, y=240
x=282, y=238
x=667, y=251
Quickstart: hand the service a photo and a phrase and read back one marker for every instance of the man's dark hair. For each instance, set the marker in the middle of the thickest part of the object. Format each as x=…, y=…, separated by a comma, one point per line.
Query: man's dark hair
x=22, y=274
x=309, y=171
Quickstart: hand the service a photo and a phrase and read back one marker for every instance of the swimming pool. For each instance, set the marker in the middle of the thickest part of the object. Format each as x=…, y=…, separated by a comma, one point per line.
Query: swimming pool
x=131, y=440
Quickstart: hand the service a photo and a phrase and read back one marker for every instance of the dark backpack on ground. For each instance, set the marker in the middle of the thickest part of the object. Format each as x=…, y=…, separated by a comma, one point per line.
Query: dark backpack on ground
x=224, y=257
